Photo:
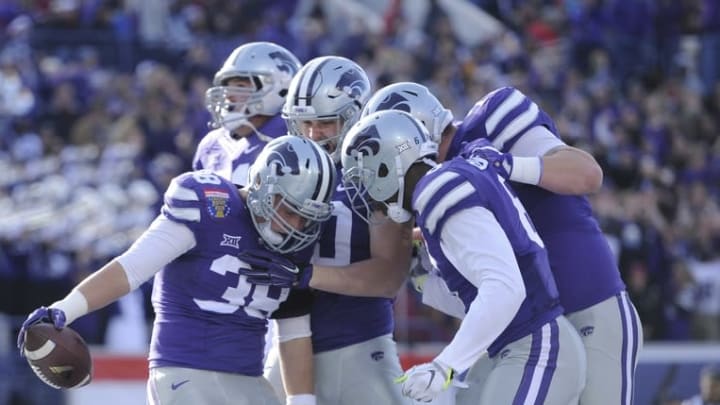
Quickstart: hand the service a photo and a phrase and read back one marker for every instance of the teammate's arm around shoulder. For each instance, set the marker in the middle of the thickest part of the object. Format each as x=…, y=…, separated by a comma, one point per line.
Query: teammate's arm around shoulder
x=569, y=170
x=565, y=169
x=382, y=274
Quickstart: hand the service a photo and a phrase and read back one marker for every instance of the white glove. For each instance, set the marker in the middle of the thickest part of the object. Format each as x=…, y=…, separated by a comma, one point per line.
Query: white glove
x=424, y=382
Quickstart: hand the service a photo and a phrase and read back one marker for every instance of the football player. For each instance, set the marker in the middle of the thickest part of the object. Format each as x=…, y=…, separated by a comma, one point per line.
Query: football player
x=550, y=179
x=355, y=356
x=245, y=101
x=210, y=320
x=490, y=257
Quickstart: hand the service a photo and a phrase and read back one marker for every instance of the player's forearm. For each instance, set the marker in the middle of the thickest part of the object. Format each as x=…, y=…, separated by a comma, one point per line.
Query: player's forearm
x=391, y=250
x=296, y=365
x=161, y=243
x=570, y=171
x=381, y=275
x=367, y=278
x=105, y=286
x=100, y=289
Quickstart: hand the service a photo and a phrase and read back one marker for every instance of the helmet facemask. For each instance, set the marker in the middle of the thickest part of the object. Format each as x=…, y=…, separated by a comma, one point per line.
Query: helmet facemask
x=267, y=200
x=355, y=182
x=232, y=106
x=358, y=180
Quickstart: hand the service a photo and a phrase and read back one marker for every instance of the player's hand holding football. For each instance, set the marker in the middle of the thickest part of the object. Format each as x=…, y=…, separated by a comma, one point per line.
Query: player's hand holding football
x=272, y=269
x=426, y=381
x=41, y=315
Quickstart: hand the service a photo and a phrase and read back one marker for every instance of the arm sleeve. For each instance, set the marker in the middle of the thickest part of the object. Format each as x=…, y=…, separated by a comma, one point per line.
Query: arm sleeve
x=537, y=141
x=489, y=265
x=160, y=244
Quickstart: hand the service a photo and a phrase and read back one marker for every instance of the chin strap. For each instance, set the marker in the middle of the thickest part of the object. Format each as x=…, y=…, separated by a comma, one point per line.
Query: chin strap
x=398, y=214
x=429, y=162
x=260, y=135
x=395, y=211
x=245, y=121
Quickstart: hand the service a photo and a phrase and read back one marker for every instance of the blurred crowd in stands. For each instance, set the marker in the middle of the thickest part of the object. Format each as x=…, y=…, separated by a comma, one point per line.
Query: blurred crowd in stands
x=102, y=102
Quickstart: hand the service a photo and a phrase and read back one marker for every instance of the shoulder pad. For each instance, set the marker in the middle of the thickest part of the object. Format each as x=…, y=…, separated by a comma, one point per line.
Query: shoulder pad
x=191, y=192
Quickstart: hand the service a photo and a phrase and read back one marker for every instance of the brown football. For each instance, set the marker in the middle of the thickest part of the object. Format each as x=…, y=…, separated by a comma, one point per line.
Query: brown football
x=58, y=357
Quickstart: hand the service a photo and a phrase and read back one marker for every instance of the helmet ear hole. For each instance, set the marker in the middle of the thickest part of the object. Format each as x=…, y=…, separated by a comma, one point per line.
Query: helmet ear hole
x=257, y=82
x=383, y=170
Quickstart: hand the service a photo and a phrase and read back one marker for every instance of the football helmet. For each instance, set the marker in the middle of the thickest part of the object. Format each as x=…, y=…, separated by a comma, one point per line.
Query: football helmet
x=376, y=154
x=415, y=99
x=299, y=175
x=325, y=89
x=268, y=67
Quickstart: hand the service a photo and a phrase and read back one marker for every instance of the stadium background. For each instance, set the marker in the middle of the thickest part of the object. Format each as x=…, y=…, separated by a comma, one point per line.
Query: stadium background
x=101, y=103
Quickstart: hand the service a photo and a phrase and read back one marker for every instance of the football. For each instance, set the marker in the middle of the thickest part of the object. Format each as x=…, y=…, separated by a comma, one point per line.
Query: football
x=60, y=358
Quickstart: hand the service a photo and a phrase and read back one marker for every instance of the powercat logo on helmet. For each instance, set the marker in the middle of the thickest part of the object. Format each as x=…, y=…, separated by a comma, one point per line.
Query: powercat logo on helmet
x=283, y=62
x=352, y=83
x=367, y=142
x=285, y=160
x=394, y=101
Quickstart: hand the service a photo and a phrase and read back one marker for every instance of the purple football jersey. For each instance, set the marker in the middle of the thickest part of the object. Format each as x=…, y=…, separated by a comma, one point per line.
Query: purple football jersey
x=207, y=316
x=231, y=158
x=340, y=320
x=584, y=267
x=460, y=184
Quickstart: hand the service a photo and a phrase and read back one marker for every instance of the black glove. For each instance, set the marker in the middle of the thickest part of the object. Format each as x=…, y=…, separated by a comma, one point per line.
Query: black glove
x=268, y=268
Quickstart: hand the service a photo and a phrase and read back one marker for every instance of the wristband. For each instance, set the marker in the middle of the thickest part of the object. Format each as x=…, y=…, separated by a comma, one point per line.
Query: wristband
x=526, y=170
x=74, y=305
x=300, y=399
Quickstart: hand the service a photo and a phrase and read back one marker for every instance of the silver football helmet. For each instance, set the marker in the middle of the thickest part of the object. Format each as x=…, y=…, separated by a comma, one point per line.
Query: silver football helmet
x=298, y=175
x=268, y=67
x=415, y=99
x=327, y=88
x=376, y=154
